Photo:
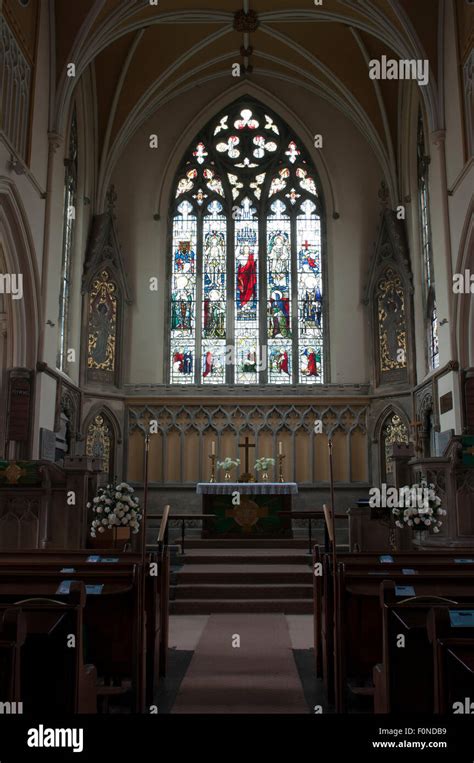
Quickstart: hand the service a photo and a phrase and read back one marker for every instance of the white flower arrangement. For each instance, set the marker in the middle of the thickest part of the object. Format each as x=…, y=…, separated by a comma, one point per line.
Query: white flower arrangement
x=228, y=463
x=264, y=463
x=426, y=513
x=115, y=506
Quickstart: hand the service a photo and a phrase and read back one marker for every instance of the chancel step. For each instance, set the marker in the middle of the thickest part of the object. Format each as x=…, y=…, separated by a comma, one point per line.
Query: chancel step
x=251, y=543
x=200, y=607
x=257, y=556
x=244, y=578
x=241, y=591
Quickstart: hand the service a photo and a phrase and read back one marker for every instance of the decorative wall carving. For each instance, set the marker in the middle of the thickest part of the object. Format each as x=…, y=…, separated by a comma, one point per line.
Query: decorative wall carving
x=20, y=522
x=389, y=297
x=106, y=292
x=393, y=431
x=16, y=86
x=68, y=406
x=179, y=450
x=427, y=413
x=102, y=335
x=392, y=322
x=100, y=442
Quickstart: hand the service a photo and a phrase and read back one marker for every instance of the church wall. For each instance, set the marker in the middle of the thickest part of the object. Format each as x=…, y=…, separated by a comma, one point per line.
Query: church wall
x=143, y=182
x=441, y=261
x=41, y=101
x=453, y=111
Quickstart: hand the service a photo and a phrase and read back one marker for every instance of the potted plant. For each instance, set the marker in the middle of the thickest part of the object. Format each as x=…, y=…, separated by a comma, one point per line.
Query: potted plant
x=263, y=464
x=116, y=513
x=227, y=464
x=422, y=510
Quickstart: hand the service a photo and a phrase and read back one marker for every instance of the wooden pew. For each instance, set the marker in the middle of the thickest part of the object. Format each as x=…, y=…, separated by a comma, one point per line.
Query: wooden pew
x=323, y=592
x=97, y=572
x=360, y=637
x=12, y=638
x=112, y=620
x=129, y=625
x=453, y=658
x=395, y=689
x=50, y=674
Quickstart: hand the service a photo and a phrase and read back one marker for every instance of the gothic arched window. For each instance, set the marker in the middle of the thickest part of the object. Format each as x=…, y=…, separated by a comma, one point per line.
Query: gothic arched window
x=247, y=301
x=429, y=296
x=69, y=222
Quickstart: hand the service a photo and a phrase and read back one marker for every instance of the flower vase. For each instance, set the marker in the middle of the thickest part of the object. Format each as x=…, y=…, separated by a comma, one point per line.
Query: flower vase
x=227, y=476
x=265, y=477
x=420, y=537
x=121, y=536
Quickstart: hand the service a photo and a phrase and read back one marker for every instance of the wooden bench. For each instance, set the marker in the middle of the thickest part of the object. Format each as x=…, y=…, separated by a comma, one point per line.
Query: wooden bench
x=323, y=595
x=453, y=655
x=12, y=638
x=360, y=636
x=156, y=587
x=322, y=584
x=407, y=651
x=47, y=670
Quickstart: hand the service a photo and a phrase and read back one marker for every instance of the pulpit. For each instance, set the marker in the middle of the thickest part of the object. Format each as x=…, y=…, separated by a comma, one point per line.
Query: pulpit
x=247, y=509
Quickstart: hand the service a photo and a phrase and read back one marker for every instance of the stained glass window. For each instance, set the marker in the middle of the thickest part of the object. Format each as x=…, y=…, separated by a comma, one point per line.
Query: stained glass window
x=69, y=222
x=246, y=279
x=425, y=234
x=99, y=442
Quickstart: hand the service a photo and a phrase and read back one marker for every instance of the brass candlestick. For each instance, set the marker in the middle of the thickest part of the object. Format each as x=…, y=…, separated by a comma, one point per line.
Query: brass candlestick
x=213, y=468
x=280, y=459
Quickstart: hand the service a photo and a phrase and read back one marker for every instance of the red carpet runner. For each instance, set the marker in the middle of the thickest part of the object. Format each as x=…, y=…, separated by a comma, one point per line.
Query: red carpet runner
x=260, y=676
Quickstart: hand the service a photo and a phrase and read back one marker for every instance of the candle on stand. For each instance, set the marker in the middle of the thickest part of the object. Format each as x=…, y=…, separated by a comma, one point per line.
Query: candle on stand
x=280, y=448
x=213, y=448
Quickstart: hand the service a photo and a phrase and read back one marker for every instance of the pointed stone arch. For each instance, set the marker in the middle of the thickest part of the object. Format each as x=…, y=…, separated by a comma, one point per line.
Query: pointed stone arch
x=391, y=426
x=103, y=435
x=389, y=299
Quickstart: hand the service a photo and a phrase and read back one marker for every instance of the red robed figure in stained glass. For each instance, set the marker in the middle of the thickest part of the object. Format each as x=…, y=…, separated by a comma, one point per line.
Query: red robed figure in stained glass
x=247, y=279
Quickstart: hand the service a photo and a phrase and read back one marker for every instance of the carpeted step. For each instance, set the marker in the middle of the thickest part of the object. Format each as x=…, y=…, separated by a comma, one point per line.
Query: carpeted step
x=227, y=543
x=217, y=591
x=203, y=607
x=257, y=556
x=243, y=574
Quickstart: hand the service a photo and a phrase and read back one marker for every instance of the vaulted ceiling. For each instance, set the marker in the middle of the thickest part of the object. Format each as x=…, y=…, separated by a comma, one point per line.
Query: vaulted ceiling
x=143, y=53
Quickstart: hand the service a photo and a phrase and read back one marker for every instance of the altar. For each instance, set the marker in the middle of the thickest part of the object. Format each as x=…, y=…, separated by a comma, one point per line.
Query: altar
x=247, y=509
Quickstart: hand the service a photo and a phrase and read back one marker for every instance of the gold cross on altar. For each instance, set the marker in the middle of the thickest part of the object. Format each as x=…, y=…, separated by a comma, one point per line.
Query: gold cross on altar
x=247, y=447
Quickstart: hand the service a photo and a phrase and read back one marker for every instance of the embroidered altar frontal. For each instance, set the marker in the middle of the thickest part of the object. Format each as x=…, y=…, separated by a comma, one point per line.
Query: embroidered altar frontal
x=256, y=515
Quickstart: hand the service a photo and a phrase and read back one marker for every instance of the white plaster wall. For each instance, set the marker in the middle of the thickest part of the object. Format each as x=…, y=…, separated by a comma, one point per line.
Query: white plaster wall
x=143, y=179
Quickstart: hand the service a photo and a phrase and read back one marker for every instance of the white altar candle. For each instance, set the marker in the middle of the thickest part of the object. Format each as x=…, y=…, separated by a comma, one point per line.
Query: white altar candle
x=213, y=448
x=280, y=448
